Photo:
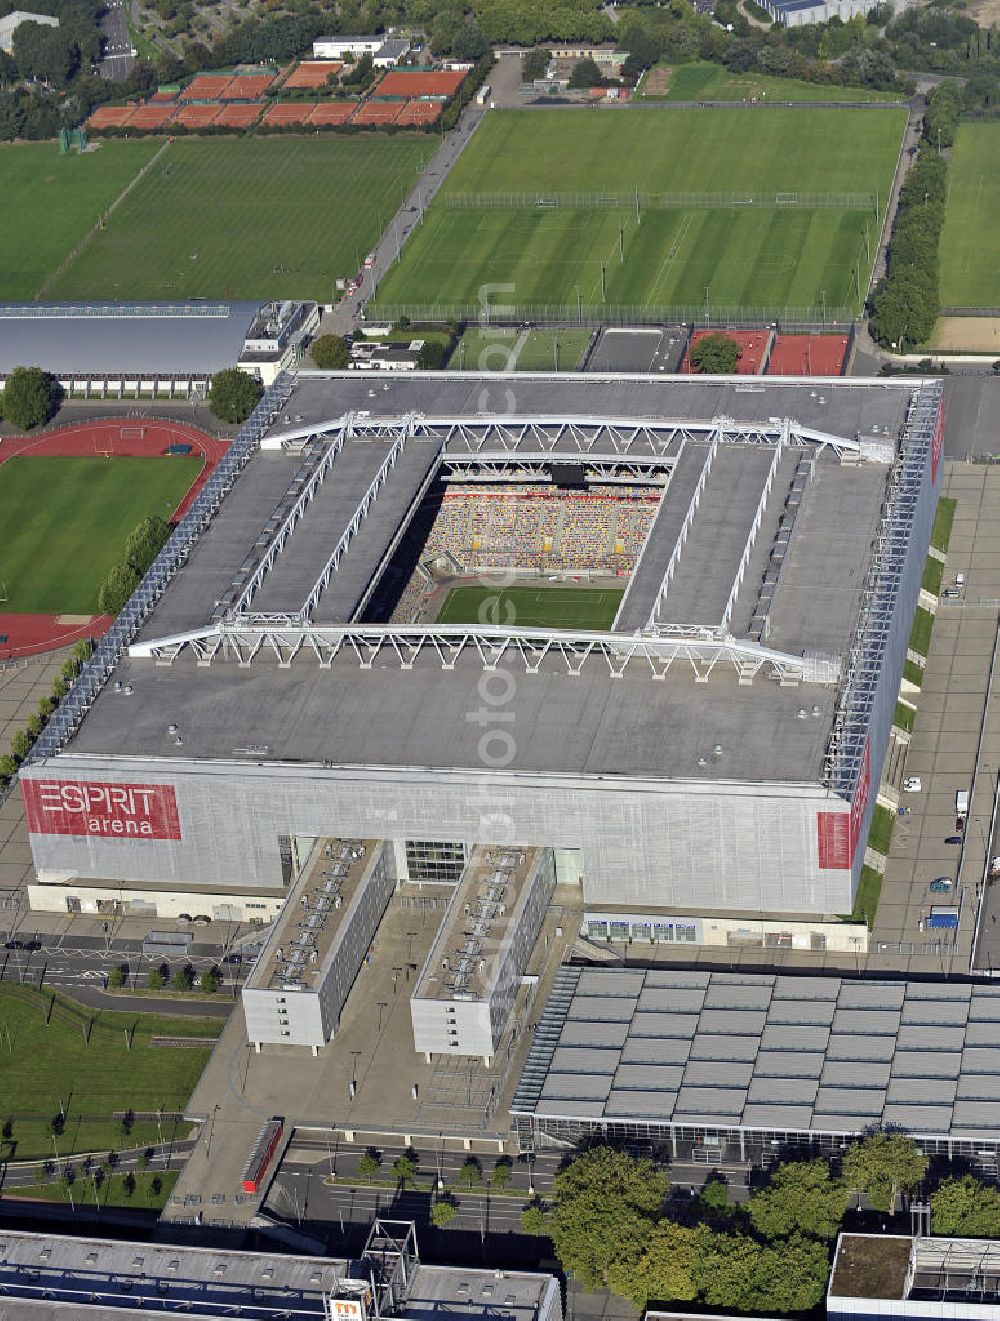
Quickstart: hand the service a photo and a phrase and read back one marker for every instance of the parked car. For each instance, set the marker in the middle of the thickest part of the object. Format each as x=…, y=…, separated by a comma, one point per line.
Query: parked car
x=953, y=839
x=941, y=885
x=912, y=784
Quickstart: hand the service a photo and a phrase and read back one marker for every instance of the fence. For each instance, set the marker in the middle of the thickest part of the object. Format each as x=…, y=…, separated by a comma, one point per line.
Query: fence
x=708, y=201
x=804, y=320
x=970, y=311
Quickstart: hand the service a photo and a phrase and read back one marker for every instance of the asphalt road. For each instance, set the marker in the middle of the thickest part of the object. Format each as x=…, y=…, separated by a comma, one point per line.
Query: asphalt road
x=118, y=56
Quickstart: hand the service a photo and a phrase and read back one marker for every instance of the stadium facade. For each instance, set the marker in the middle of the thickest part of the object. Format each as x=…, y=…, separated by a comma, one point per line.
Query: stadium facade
x=718, y=747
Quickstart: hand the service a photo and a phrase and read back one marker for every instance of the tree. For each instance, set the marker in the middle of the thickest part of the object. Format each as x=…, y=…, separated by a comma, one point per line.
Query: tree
x=369, y=1164
x=145, y=542
x=966, y=1208
x=20, y=744
x=34, y=724
x=801, y=1198
x=8, y=767
x=116, y=589
x=585, y=73
x=330, y=352
x=128, y=1184
x=208, y=982
x=789, y=1276
x=233, y=394
x=713, y=1199
x=116, y=979
x=183, y=978
x=500, y=1177
x=469, y=43
x=443, y=1212
x=716, y=355
x=534, y=1221
x=725, y=1269
x=405, y=1168
x=534, y=65
x=430, y=355
x=606, y=1204
x=883, y=1165
x=471, y=1172
x=30, y=396
x=666, y=1268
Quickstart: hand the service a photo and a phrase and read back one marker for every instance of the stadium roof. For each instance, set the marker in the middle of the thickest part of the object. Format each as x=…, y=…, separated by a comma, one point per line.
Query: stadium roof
x=188, y=338
x=801, y=1054
x=311, y=692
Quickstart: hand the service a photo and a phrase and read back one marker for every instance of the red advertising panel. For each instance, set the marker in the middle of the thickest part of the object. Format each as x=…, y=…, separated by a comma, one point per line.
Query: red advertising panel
x=938, y=442
x=83, y=807
x=838, y=832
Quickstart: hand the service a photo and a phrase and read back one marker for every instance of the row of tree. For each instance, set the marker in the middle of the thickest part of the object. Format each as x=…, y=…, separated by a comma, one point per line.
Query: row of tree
x=23, y=739
x=142, y=546
x=905, y=304
x=613, y=1226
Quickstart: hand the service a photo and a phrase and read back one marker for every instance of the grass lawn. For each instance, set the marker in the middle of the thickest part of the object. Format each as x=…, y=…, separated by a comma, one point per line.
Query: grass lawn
x=747, y=257
x=920, y=637
x=944, y=517
x=913, y=672
x=541, y=607
x=149, y=1192
x=702, y=81
x=905, y=717
x=65, y=521
x=933, y=573
x=249, y=218
x=486, y=350
x=880, y=834
x=51, y=201
x=46, y=1067
x=970, y=240
x=866, y=899
x=553, y=350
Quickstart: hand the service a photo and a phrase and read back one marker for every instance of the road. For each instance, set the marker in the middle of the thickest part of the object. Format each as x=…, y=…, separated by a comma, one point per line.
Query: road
x=168, y=1156
x=119, y=54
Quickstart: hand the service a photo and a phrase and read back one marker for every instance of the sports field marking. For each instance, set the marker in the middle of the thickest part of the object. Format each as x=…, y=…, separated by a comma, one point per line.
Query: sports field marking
x=970, y=238
x=671, y=256
x=578, y=608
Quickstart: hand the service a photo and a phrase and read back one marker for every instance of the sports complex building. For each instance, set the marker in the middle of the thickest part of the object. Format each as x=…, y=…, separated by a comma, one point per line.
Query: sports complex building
x=677, y=684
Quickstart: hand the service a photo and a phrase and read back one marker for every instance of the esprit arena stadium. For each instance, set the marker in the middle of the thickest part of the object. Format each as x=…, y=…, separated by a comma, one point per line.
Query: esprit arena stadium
x=651, y=627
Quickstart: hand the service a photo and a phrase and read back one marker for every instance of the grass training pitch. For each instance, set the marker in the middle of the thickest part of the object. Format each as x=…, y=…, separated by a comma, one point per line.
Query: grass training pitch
x=749, y=256
x=51, y=201
x=498, y=349
x=970, y=240
x=279, y=217
x=51, y=1068
x=703, y=81
x=65, y=522
x=535, y=607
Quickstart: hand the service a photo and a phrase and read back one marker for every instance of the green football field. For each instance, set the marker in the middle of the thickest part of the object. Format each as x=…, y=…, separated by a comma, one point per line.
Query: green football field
x=731, y=257
x=538, y=607
x=702, y=81
x=51, y=201
x=65, y=521
x=249, y=218
x=970, y=240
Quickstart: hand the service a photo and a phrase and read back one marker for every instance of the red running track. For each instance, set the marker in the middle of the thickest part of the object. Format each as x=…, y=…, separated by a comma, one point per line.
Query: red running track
x=134, y=437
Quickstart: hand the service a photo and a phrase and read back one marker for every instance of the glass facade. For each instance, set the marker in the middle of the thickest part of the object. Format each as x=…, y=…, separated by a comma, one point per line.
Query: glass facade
x=435, y=861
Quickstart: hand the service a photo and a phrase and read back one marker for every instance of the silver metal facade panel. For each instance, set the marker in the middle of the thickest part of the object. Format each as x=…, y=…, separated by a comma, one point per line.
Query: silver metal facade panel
x=780, y=1037
x=850, y=1101
x=682, y=979
x=610, y=1035
x=919, y=1118
x=648, y=1077
x=847, y=1124
x=856, y=1073
x=954, y=991
x=853, y=1047
x=871, y=995
x=656, y=1050
x=804, y=989
x=664, y=1025
x=573, y=1059
x=789, y=1064
x=782, y=1091
x=778, y=1117
x=675, y=1001
x=918, y=1037
x=980, y=1059
x=600, y=1009
x=984, y=1005
x=749, y=1022
x=926, y=1064
x=979, y=1087
x=717, y=1073
x=983, y=1116
x=738, y=995
x=815, y=1013
x=565, y=1086
x=613, y=983
x=696, y=1102
x=642, y=1105
x=866, y=1022
x=919, y=1091
x=574, y=1109
x=720, y=1046
x=936, y=1013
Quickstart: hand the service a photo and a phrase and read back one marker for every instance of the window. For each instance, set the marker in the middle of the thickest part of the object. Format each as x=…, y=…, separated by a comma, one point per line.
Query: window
x=435, y=861
x=686, y=932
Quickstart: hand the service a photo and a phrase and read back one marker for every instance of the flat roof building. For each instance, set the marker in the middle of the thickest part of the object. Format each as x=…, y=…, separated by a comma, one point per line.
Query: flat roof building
x=12, y=21
x=746, y=1063
x=896, y=1276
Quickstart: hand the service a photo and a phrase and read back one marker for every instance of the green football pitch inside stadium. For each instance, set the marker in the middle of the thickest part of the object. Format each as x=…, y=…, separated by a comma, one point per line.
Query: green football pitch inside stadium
x=65, y=521
x=269, y=217
x=535, y=607
x=50, y=202
x=970, y=241
x=579, y=256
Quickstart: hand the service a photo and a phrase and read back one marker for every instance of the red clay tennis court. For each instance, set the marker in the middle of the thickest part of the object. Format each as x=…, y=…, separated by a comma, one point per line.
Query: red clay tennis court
x=313, y=73
x=153, y=116
x=27, y=635
x=399, y=82
x=377, y=112
x=247, y=87
x=420, y=112
x=753, y=349
x=110, y=116
x=238, y=116
x=288, y=114
x=206, y=87
x=197, y=116
x=163, y=96
x=808, y=355
x=332, y=112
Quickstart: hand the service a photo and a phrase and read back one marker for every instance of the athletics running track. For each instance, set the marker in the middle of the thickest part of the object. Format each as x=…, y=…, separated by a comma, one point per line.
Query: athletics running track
x=136, y=437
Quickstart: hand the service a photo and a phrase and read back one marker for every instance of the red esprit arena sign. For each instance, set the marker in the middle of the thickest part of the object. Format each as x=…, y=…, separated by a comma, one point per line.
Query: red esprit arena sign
x=839, y=831
x=81, y=807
